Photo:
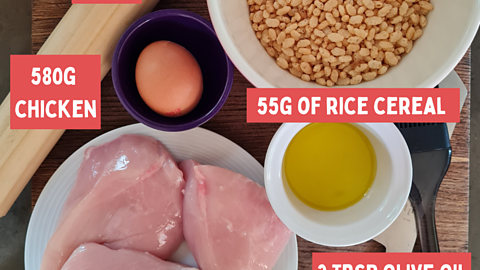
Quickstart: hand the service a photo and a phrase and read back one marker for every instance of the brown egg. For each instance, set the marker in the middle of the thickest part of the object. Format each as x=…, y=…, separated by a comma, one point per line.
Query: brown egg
x=169, y=79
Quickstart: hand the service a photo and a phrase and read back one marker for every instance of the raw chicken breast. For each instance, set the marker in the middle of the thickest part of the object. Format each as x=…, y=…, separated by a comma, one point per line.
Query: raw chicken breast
x=228, y=221
x=98, y=257
x=128, y=194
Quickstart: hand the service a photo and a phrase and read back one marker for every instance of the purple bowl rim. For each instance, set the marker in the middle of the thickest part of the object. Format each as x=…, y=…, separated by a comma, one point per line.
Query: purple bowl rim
x=116, y=84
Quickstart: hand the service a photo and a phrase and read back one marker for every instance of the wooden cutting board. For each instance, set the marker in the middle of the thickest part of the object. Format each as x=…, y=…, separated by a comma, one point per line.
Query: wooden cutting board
x=452, y=203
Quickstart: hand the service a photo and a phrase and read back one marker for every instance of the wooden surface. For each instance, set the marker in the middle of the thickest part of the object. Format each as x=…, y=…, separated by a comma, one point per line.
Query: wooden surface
x=452, y=203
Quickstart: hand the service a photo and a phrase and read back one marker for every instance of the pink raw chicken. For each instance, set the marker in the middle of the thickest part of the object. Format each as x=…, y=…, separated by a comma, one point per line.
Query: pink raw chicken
x=228, y=220
x=128, y=194
x=98, y=257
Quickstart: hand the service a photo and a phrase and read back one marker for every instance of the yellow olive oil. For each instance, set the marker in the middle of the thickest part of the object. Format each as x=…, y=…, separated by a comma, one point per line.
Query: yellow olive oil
x=330, y=166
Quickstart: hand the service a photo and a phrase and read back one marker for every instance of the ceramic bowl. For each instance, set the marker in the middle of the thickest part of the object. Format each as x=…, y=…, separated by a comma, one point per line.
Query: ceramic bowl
x=451, y=28
x=358, y=223
x=194, y=33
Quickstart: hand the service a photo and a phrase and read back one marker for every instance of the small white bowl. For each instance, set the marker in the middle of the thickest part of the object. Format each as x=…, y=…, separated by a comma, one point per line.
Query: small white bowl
x=360, y=222
x=451, y=28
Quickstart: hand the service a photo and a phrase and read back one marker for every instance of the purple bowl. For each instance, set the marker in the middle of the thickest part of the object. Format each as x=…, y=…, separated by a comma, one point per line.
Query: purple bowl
x=194, y=33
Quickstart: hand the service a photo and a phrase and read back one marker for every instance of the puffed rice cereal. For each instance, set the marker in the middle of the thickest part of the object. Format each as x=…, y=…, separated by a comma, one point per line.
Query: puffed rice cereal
x=338, y=42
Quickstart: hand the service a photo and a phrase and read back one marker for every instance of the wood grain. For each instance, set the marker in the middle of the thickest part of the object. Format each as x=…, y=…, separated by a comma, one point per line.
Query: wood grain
x=452, y=203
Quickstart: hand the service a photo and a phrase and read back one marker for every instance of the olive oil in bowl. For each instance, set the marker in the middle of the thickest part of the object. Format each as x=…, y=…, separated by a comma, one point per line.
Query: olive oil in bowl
x=330, y=166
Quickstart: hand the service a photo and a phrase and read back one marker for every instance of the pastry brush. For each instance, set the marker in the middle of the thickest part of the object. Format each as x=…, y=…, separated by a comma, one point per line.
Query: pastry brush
x=429, y=146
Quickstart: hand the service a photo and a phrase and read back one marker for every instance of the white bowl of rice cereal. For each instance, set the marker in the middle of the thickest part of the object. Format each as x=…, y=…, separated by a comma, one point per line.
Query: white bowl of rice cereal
x=345, y=43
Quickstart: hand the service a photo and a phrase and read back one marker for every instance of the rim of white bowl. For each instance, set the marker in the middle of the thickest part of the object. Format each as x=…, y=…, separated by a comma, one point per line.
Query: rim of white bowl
x=235, y=56
x=242, y=65
x=284, y=208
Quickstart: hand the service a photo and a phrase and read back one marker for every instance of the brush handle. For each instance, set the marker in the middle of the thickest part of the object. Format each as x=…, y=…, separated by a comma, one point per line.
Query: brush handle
x=429, y=168
x=425, y=218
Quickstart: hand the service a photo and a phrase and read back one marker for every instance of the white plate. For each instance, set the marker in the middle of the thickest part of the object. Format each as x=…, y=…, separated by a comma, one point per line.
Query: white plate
x=199, y=144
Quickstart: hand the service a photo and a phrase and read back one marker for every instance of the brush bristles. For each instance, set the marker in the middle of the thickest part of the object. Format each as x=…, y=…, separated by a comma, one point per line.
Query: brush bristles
x=413, y=125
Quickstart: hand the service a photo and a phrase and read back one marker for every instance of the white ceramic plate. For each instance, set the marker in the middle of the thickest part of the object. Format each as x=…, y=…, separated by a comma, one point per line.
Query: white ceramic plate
x=200, y=144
